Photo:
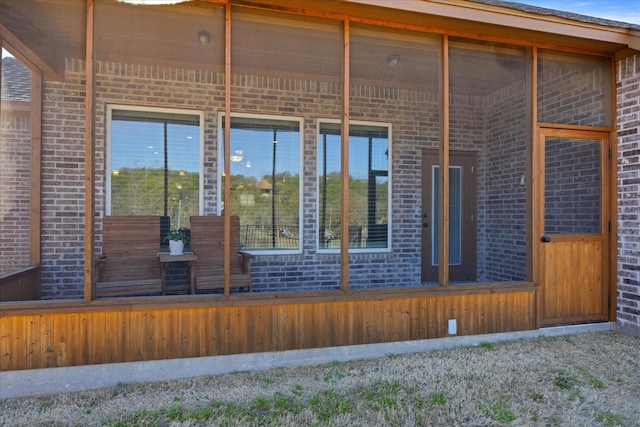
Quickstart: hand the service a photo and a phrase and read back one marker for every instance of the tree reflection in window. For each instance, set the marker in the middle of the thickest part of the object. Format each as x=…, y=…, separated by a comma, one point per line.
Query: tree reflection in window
x=265, y=181
x=368, y=186
x=154, y=164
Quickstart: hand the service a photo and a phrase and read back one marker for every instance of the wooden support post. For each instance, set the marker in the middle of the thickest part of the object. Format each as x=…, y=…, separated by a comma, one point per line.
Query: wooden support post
x=534, y=210
x=89, y=207
x=344, y=175
x=227, y=150
x=443, y=256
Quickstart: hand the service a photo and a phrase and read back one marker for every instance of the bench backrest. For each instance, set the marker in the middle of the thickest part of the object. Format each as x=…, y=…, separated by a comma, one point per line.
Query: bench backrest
x=207, y=242
x=130, y=245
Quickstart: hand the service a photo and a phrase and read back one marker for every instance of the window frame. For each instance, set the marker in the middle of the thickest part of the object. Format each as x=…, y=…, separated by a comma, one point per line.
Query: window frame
x=220, y=167
x=108, y=144
x=389, y=127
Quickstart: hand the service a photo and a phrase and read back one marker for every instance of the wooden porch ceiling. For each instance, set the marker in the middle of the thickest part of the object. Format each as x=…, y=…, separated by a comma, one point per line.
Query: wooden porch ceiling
x=53, y=30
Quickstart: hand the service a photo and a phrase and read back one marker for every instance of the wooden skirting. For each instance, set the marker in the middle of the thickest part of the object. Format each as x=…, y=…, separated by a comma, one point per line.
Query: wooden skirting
x=59, y=334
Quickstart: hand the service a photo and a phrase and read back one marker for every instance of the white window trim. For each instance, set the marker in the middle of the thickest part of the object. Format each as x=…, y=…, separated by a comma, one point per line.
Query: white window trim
x=220, y=167
x=107, y=154
x=318, y=172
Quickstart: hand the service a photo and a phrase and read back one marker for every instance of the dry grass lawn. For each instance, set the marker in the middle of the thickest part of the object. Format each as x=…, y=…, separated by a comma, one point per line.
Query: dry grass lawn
x=577, y=380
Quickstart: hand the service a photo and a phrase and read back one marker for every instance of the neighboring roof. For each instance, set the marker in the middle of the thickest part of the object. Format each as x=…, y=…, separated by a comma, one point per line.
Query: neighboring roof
x=18, y=86
x=559, y=13
x=264, y=185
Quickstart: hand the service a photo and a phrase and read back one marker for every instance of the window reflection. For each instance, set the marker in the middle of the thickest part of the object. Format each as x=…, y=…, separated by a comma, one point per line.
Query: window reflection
x=368, y=186
x=265, y=182
x=154, y=166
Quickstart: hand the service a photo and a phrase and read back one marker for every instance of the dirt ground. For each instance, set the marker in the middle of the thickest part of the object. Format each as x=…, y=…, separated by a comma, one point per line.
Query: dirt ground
x=576, y=380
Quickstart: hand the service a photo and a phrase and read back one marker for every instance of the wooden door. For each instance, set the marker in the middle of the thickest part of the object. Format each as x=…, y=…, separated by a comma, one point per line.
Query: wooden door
x=572, y=225
x=462, y=216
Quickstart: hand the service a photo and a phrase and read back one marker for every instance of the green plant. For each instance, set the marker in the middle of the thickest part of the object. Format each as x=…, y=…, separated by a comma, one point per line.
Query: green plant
x=499, y=411
x=177, y=235
x=609, y=419
x=564, y=381
x=437, y=399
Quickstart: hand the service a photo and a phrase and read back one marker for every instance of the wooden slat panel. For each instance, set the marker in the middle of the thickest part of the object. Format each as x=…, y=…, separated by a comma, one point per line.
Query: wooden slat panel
x=122, y=333
x=19, y=337
x=573, y=280
x=74, y=340
x=130, y=246
x=207, y=242
x=7, y=344
x=97, y=340
x=34, y=353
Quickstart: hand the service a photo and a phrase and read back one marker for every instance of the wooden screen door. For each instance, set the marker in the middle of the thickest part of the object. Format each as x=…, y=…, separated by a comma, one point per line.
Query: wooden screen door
x=571, y=199
x=462, y=215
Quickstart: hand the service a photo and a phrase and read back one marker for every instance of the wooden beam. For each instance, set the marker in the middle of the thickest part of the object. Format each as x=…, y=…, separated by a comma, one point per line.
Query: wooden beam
x=612, y=203
x=344, y=174
x=35, y=168
x=26, y=55
x=89, y=204
x=531, y=103
x=443, y=247
x=532, y=209
x=227, y=149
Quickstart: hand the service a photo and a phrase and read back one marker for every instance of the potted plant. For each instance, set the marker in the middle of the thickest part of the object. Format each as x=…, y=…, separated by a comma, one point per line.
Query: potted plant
x=177, y=239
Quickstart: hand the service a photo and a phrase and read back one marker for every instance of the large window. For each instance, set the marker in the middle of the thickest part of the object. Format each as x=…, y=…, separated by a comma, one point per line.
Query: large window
x=265, y=181
x=153, y=164
x=369, y=186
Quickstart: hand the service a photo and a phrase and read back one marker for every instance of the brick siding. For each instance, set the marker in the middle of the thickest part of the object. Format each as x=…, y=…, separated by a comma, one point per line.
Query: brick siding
x=15, y=157
x=628, y=84
x=63, y=161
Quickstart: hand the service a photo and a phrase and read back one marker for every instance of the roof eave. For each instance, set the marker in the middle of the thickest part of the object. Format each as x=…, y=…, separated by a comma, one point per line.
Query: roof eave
x=616, y=38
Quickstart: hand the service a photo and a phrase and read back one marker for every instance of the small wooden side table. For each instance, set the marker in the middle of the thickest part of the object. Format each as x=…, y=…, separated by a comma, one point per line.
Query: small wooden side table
x=166, y=259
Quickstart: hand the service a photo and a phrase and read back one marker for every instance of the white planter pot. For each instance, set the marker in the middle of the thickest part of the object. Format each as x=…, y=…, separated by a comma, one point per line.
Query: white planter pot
x=176, y=247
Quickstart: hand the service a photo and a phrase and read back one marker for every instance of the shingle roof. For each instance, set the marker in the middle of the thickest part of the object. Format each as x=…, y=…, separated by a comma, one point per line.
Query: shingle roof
x=16, y=81
x=559, y=13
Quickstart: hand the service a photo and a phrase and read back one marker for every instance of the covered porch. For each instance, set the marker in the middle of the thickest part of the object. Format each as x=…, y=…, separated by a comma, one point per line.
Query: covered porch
x=315, y=134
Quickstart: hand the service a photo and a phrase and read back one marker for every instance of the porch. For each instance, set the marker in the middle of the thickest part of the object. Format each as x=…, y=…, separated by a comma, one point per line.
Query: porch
x=397, y=174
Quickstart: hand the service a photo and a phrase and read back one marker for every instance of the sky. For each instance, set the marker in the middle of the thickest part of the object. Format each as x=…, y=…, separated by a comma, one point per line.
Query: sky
x=616, y=10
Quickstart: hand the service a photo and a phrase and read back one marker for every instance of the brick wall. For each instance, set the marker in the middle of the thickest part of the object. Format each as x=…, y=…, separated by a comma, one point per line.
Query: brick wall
x=573, y=89
x=415, y=125
x=502, y=211
x=494, y=125
x=63, y=155
x=628, y=84
x=15, y=158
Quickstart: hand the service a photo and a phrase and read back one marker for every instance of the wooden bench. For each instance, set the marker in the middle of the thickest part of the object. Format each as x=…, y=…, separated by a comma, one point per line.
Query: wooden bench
x=129, y=263
x=207, y=242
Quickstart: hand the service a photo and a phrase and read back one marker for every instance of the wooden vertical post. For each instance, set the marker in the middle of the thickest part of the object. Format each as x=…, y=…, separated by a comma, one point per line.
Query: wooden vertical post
x=535, y=197
x=35, y=173
x=89, y=204
x=531, y=103
x=612, y=174
x=227, y=150
x=344, y=175
x=443, y=256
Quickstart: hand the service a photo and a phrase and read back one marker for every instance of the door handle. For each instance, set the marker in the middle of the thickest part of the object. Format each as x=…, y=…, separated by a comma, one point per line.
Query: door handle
x=425, y=224
x=545, y=239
